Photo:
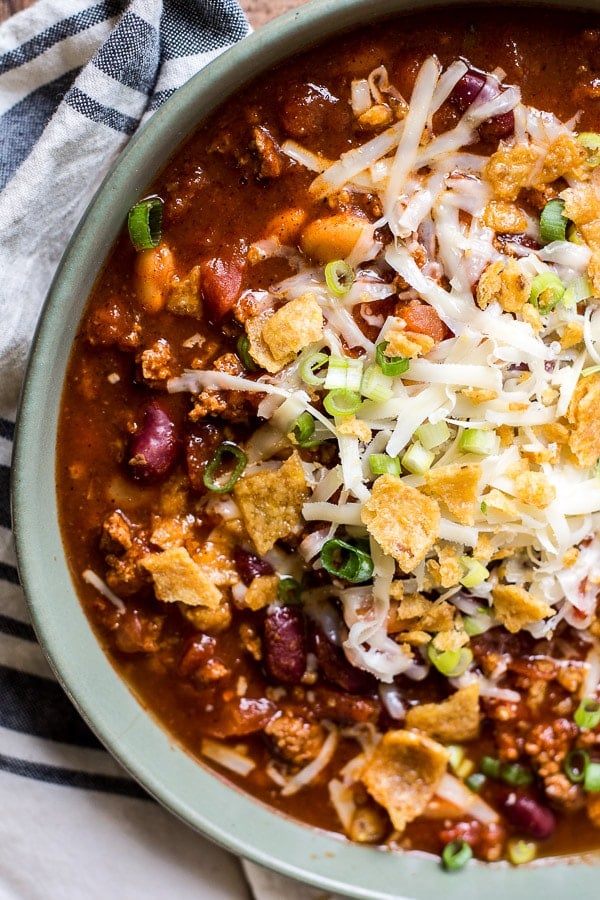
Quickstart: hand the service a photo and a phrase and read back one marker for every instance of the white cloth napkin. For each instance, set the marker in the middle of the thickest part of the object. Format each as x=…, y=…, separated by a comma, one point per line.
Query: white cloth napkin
x=76, y=81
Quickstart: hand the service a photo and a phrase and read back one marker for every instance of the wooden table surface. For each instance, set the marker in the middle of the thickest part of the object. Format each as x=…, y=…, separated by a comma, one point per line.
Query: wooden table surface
x=258, y=11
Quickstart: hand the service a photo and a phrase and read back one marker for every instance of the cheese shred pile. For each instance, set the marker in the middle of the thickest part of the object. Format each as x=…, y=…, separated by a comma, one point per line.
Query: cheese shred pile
x=466, y=463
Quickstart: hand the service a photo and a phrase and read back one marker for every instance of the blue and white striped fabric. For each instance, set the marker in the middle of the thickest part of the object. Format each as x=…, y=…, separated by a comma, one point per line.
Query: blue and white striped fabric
x=76, y=81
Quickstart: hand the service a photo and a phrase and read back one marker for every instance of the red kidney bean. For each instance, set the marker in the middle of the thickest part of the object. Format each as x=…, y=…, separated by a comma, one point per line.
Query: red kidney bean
x=498, y=127
x=336, y=668
x=250, y=566
x=468, y=88
x=285, y=644
x=153, y=448
x=476, y=85
x=327, y=703
x=529, y=816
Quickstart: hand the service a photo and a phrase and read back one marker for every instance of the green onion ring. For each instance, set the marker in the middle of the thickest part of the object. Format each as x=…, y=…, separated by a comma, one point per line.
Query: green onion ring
x=450, y=663
x=546, y=292
x=219, y=460
x=490, y=766
x=382, y=464
x=309, y=366
x=456, y=854
x=342, y=402
x=591, y=781
x=303, y=430
x=587, y=714
x=243, y=351
x=144, y=223
x=339, y=276
x=521, y=852
x=553, y=222
x=515, y=775
x=390, y=365
x=575, y=765
x=475, y=782
x=346, y=561
x=288, y=591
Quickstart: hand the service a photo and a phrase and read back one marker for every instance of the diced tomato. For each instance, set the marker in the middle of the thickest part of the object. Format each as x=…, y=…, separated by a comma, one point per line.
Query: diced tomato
x=221, y=281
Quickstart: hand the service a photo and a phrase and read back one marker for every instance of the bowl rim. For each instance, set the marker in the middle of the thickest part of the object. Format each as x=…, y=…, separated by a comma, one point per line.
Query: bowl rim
x=192, y=792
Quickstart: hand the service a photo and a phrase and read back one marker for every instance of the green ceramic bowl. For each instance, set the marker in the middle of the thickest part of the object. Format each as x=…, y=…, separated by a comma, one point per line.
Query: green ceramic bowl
x=190, y=791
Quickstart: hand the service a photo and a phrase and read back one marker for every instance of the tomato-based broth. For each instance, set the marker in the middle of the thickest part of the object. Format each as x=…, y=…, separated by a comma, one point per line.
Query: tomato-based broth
x=328, y=453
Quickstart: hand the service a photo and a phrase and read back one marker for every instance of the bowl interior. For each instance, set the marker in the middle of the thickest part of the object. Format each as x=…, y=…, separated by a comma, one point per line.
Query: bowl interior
x=141, y=745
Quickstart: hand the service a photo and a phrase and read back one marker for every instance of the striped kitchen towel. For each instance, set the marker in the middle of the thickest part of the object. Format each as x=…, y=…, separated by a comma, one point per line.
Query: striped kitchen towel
x=76, y=81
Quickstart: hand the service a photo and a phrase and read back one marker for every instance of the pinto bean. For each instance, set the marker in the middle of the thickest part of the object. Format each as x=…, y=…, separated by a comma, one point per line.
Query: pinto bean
x=154, y=270
x=529, y=816
x=250, y=566
x=332, y=237
x=285, y=644
x=153, y=448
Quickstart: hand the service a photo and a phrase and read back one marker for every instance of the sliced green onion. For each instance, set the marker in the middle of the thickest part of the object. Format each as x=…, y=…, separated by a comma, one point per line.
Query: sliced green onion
x=342, y=402
x=456, y=855
x=553, y=223
x=343, y=372
x=417, y=459
x=390, y=365
x=579, y=289
x=591, y=781
x=591, y=370
x=456, y=754
x=450, y=663
x=591, y=141
x=288, y=591
x=575, y=765
x=513, y=774
x=546, y=292
x=303, y=430
x=243, y=351
x=481, y=441
x=516, y=775
x=574, y=235
x=432, y=435
x=346, y=561
x=475, y=625
x=339, y=276
x=490, y=766
x=382, y=464
x=483, y=507
x=144, y=223
x=228, y=462
x=310, y=366
x=375, y=385
x=520, y=851
x=587, y=714
x=475, y=782
x=476, y=572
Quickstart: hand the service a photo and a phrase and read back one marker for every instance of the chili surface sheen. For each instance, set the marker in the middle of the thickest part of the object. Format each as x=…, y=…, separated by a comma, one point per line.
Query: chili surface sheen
x=198, y=515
